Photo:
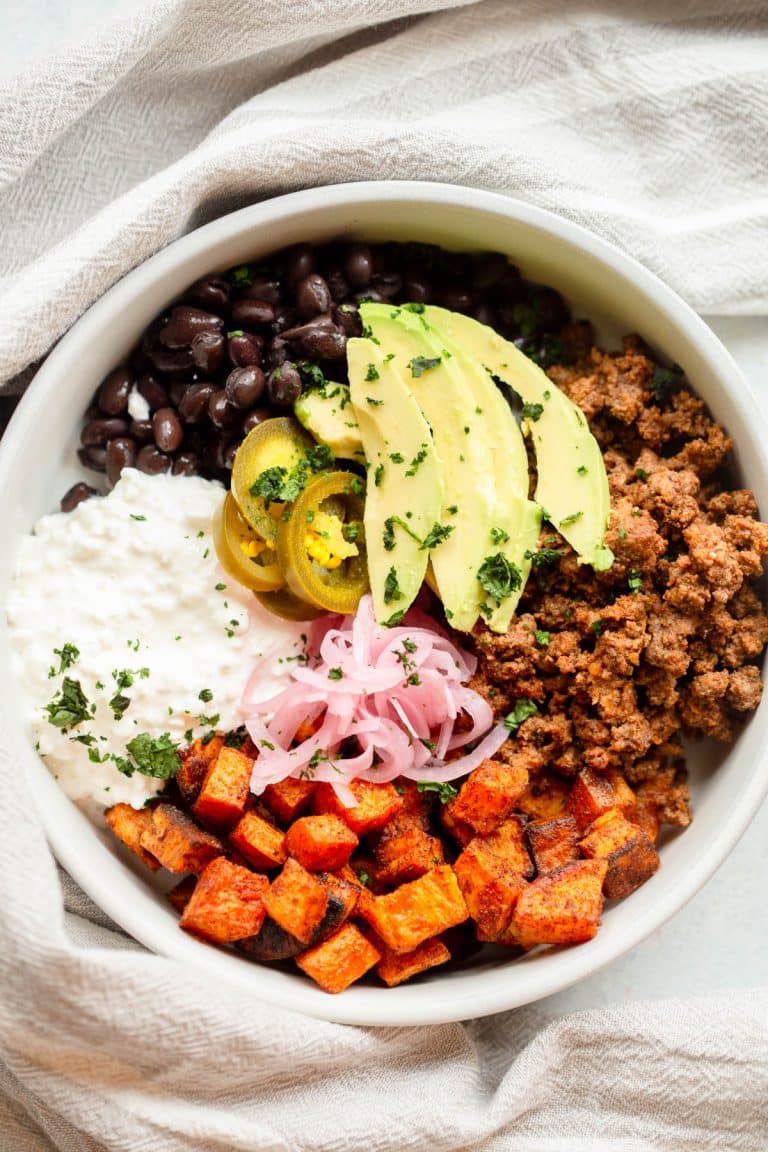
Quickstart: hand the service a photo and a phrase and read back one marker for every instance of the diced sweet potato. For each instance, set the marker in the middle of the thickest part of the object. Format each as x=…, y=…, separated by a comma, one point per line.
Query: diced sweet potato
x=591, y=795
x=406, y=851
x=259, y=841
x=561, y=908
x=629, y=853
x=646, y=816
x=288, y=798
x=274, y=943
x=461, y=832
x=196, y=759
x=129, y=825
x=376, y=804
x=545, y=798
x=490, y=887
x=340, y=960
x=417, y=806
x=227, y=903
x=416, y=911
x=320, y=843
x=508, y=841
x=626, y=800
x=175, y=840
x=554, y=843
x=271, y=943
x=488, y=795
x=180, y=894
x=394, y=967
x=296, y=900
x=226, y=787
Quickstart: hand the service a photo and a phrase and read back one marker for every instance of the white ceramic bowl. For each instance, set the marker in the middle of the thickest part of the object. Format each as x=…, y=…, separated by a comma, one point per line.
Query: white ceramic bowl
x=38, y=463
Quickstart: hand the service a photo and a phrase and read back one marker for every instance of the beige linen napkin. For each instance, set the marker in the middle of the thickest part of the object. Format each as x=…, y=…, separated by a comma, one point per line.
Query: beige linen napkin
x=643, y=121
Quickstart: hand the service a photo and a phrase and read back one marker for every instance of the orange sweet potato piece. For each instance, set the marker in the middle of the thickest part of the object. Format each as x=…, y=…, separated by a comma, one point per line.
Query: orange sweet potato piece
x=288, y=798
x=508, y=841
x=629, y=853
x=416, y=911
x=129, y=825
x=196, y=759
x=376, y=804
x=561, y=908
x=227, y=903
x=394, y=967
x=320, y=843
x=626, y=800
x=553, y=843
x=405, y=851
x=461, y=832
x=646, y=816
x=259, y=841
x=180, y=894
x=591, y=795
x=225, y=790
x=545, y=798
x=175, y=840
x=340, y=960
x=490, y=887
x=417, y=806
x=488, y=795
x=296, y=900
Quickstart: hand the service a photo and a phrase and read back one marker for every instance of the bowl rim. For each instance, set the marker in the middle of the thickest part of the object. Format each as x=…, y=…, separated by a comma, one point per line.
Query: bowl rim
x=475, y=993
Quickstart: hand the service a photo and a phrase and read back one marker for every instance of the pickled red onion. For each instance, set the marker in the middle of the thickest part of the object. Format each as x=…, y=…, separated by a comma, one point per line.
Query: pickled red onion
x=398, y=692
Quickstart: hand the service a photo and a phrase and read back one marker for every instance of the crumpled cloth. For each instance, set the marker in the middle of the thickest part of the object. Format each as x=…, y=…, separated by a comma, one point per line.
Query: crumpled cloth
x=646, y=122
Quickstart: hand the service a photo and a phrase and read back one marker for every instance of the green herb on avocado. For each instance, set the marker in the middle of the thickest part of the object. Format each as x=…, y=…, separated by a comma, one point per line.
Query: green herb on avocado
x=392, y=587
x=436, y=535
x=532, y=411
x=394, y=619
x=378, y=475
x=499, y=576
x=372, y=373
x=421, y=364
x=574, y=516
x=499, y=536
x=417, y=461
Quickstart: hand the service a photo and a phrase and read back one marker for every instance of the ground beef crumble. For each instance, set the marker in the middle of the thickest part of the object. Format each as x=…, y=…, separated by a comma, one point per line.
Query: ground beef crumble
x=621, y=664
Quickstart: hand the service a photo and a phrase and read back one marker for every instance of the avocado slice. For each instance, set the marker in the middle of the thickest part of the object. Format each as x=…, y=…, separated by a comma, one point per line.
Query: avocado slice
x=572, y=482
x=403, y=498
x=328, y=415
x=486, y=523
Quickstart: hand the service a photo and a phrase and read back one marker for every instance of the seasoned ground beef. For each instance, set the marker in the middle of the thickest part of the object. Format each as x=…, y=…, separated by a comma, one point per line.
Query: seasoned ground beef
x=665, y=643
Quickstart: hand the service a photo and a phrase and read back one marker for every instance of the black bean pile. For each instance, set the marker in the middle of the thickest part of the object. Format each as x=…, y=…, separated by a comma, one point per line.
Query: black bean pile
x=240, y=347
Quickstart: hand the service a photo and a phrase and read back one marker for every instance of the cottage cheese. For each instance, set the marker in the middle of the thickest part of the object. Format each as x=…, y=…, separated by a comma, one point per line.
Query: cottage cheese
x=133, y=582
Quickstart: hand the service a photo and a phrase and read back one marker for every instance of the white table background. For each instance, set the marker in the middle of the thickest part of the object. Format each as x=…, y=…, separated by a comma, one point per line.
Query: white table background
x=720, y=939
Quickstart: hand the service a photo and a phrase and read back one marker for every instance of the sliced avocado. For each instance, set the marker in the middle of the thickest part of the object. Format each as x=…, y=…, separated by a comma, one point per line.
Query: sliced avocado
x=572, y=482
x=403, y=501
x=328, y=414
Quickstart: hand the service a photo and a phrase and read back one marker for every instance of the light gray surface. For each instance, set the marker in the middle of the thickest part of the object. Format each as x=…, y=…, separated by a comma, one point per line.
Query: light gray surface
x=720, y=940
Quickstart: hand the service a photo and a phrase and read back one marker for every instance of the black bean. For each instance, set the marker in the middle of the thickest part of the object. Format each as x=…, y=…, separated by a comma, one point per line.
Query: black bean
x=338, y=284
x=358, y=265
x=488, y=269
x=262, y=288
x=121, y=453
x=387, y=285
x=186, y=464
x=300, y=262
x=225, y=457
x=244, y=348
x=510, y=287
x=96, y=433
x=177, y=389
x=153, y=391
x=114, y=392
x=485, y=315
x=211, y=293
x=323, y=323
x=347, y=318
x=152, y=460
x=285, y=317
x=220, y=411
x=325, y=345
x=276, y=353
x=368, y=294
x=456, y=298
x=312, y=296
x=250, y=313
x=258, y=416
x=244, y=386
x=284, y=385
x=93, y=457
x=76, y=494
x=550, y=310
x=184, y=323
x=208, y=350
x=417, y=289
x=141, y=430
x=170, y=359
x=167, y=430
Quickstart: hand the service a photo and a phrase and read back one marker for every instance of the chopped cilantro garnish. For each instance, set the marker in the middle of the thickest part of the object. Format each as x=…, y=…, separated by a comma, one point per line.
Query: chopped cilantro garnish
x=622, y=533
x=205, y=695
x=597, y=627
x=532, y=411
x=378, y=475
x=445, y=791
x=635, y=581
x=392, y=587
x=499, y=576
x=574, y=516
x=135, y=517
x=68, y=655
x=418, y=460
x=70, y=707
x=397, y=457
x=582, y=470
x=335, y=674
x=152, y=756
x=542, y=638
x=453, y=509
x=641, y=473
x=415, y=306
x=372, y=373
x=499, y=536
x=373, y=403
x=543, y=556
x=436, y=535
x=421, y=364
x=522, y=710
x=664, y=381
x=220, y=587
x=395, y=618
x=356, y=486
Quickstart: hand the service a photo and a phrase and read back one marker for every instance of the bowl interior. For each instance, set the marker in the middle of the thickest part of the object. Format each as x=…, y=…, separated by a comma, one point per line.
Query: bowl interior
x=38, y=463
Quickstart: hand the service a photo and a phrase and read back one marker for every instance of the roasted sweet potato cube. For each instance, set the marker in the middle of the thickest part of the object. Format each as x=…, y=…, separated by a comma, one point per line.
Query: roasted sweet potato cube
x=129, y=825
x=646, y=816
x=561, y=908
x=226, y=787
x=376, y=804
x=629, y=853
x=416, y=911
x=227, y=903
x=395, y=967
x=196, y=759
x=271, y=943
x=545, y=798
x=461, y=832
x=180, y=894
x=175, y=840
x=258, y=841
x=320, y=843
x=342, y=902
x=296, y=900
x=591, y=795
x=288, y=798
x=490, y=887
x=554, y=843
x=340, y=960
x=417, y=806
x=626, y=800
x=406, y=853
x=508, y=841
x=488, y=795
